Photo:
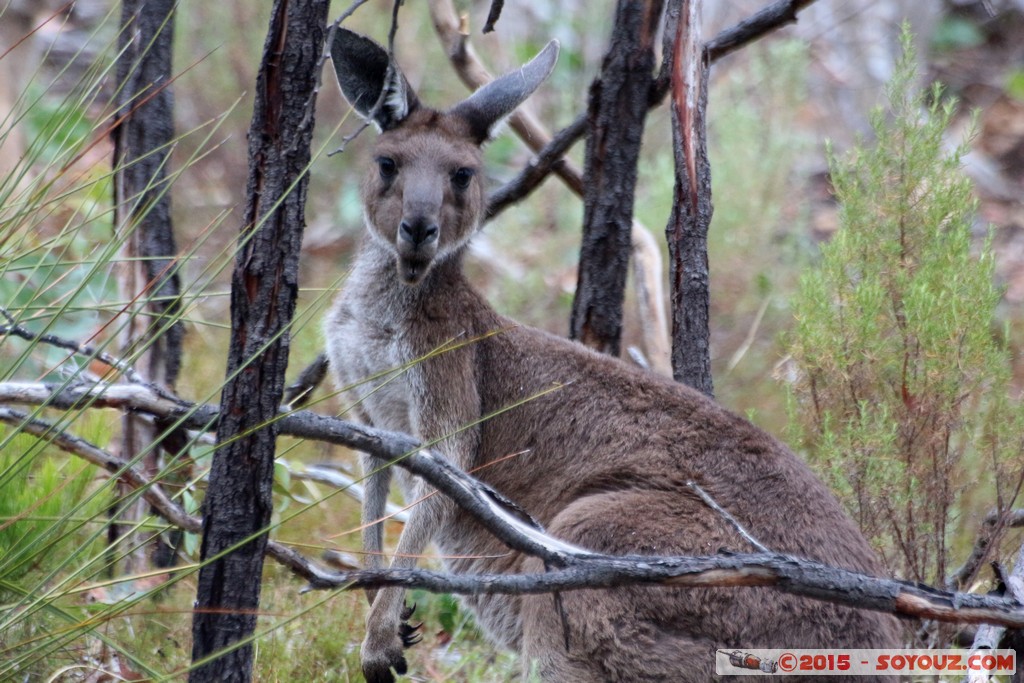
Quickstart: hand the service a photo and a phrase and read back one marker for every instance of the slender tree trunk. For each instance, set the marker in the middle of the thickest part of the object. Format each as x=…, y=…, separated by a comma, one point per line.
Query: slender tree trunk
x=151, y=335
x=616, y=112
x=264, y=287
x=687, y=230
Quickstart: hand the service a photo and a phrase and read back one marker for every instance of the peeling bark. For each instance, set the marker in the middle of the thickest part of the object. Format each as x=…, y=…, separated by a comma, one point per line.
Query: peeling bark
x=687, y=229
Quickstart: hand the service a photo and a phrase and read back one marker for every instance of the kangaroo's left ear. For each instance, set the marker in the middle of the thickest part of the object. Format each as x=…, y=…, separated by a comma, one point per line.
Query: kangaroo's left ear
x=362, y=69
x=485, y=108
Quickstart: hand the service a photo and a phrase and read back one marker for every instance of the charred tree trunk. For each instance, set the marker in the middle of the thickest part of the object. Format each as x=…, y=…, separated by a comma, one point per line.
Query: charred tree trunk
x=687, y=229
x=615, y=119
x=264, y=287
x=142, y=150
x=151, y=335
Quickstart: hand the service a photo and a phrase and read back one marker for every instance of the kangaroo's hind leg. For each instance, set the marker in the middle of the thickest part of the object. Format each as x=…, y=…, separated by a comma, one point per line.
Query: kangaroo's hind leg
x=662, y=633
x=639, y=633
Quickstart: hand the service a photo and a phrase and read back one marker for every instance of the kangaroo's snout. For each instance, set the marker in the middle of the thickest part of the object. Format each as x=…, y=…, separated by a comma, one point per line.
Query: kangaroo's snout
x=418, y=231
x=417, y=246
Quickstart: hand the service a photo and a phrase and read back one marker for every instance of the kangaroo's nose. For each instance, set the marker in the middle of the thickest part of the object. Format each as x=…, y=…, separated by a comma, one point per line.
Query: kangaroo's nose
x=419, y=231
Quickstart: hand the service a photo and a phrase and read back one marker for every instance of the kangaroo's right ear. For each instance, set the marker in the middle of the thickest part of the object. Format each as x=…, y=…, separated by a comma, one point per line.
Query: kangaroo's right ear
x=362, y=67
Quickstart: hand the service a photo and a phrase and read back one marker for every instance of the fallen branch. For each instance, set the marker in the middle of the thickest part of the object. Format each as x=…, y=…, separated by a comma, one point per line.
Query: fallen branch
x=487, y=506
x=14, y=329
x=989, y=636
x=574, y=568
x=792, y=575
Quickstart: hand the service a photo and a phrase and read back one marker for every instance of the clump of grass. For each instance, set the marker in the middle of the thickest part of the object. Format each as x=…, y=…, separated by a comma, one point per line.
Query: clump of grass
x=37, y=488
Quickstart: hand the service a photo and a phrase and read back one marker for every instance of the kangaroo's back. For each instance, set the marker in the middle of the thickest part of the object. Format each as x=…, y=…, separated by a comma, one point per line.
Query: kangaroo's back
x=608, y=462
x=604, y=455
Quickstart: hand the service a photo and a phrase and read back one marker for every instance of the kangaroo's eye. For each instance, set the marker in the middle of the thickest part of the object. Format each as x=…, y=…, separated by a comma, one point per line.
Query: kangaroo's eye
x=461, y=177
x=388, y=167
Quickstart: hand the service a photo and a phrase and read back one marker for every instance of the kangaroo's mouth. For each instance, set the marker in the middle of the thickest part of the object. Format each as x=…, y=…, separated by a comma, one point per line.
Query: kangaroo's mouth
x=412, y=269
x=414, y=260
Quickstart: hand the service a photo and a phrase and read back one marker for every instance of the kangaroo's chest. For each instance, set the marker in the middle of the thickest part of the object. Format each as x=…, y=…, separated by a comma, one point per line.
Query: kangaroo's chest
x=376, y=363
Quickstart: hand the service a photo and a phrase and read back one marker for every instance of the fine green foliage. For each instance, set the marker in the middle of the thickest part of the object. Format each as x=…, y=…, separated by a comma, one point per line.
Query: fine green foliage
x=36, y=491
x=900, y=390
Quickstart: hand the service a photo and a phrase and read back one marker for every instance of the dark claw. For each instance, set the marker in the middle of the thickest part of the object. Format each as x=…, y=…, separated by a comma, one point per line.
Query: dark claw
x=406, y=631
x=409, y=633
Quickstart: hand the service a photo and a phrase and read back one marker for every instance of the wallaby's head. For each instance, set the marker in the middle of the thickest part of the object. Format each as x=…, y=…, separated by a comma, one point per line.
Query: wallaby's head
x=424, y=195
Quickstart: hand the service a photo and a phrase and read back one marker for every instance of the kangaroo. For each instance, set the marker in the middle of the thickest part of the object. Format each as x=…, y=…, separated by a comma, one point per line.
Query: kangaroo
x=601, y=462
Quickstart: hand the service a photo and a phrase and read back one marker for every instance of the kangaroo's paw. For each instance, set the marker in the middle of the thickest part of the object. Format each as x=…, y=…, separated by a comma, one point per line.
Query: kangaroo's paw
x=381, y=655
x=379, y=661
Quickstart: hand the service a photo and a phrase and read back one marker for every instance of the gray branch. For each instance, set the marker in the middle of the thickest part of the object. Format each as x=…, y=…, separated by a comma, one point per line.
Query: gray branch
x=789, y=574
x=574, y=568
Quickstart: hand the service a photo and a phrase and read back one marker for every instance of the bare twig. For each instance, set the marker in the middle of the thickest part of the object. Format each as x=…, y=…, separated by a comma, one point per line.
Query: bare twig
x=765, y=21
x=992, y=526
x=548, y=159
x=13, y=329
x=713, y=504
x=754, y=27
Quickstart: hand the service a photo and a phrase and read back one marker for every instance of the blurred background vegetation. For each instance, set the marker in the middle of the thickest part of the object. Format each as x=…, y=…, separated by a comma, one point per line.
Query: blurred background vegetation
x=772, y=107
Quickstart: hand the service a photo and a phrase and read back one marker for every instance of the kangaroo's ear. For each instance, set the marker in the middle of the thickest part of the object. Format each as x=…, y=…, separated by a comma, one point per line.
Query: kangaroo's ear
x=485, y=108
x=362, y=69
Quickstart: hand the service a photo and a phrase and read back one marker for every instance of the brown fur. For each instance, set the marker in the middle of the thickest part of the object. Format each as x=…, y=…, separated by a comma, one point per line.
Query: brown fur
x=602, y=461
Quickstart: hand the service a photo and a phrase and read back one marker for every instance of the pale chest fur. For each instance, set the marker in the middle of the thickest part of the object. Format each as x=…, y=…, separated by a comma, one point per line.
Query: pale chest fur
x=379, y=333
x=371, y=353
x=373, y=359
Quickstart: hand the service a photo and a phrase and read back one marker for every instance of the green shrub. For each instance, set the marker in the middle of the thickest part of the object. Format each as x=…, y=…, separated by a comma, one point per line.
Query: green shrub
x=900, y=390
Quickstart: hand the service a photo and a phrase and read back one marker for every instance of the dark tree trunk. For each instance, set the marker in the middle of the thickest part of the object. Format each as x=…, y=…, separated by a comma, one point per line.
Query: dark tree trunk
x=616, y=112
x=151, y=335
x=264, y=286
x=142, y=148
x=687, y=230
